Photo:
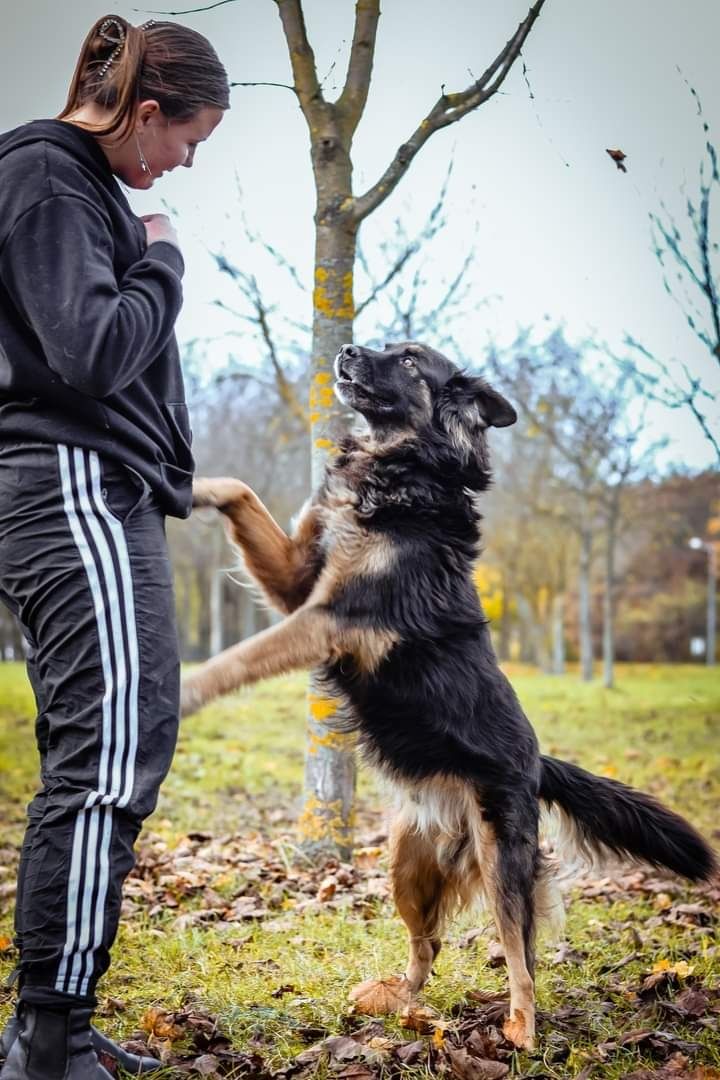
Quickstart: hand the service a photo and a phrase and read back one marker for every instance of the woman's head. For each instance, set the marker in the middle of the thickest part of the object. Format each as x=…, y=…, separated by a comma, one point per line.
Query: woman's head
x=150, y=93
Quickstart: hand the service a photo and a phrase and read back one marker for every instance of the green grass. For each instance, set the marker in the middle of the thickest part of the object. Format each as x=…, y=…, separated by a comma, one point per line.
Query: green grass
x=238, y=771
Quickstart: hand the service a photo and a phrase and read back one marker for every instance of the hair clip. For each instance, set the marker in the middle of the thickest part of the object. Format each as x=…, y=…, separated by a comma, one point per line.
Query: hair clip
x=148, y=24
x=118, y=42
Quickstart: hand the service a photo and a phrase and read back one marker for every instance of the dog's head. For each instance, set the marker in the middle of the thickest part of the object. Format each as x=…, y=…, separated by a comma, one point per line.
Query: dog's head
x=412, y=388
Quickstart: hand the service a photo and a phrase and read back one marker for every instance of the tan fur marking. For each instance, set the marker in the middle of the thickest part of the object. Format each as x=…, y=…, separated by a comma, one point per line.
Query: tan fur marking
x=304, y=639
x=307, y=638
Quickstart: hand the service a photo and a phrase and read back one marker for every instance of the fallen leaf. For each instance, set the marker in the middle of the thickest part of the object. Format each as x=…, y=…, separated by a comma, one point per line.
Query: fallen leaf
x=421, y=1018
x=410, y=1053
x=207, y=1065
x=356, y=1072
x=327, y=889
x=161, y=1024
x=380, y=997
x=496, y=954
x=344, y=1048
x=466, y=1067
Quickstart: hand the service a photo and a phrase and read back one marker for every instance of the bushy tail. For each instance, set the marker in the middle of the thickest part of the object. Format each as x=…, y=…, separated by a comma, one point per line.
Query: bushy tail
x=610, y=818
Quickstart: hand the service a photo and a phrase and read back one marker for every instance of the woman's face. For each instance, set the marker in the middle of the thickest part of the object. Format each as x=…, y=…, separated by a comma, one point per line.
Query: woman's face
x=161, y=145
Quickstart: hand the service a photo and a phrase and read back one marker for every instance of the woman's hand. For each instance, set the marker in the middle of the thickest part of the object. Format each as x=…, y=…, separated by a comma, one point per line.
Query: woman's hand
x=160, y=227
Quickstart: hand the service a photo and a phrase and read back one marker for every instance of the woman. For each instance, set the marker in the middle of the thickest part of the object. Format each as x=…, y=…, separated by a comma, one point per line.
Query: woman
x=94, y=452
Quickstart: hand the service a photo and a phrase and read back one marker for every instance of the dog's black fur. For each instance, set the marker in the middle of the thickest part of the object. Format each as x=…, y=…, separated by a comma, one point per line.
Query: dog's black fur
x=439, y=701
x=436, y=710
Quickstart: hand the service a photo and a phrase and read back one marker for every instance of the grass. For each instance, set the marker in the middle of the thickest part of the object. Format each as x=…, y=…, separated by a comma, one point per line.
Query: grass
x=275, y=983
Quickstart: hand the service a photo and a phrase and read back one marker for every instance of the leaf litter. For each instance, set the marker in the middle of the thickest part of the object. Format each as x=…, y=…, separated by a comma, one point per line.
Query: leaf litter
x=235, y=880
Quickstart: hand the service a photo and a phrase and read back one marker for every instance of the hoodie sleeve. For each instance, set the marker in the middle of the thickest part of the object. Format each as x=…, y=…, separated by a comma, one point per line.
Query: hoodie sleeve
x=97, y=334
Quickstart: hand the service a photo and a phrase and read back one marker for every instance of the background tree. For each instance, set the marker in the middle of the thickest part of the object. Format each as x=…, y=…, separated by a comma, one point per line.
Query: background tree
x=592, y=422
x=689, y=256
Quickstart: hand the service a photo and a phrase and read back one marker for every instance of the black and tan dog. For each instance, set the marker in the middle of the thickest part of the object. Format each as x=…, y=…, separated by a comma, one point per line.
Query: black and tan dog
x=377, y=585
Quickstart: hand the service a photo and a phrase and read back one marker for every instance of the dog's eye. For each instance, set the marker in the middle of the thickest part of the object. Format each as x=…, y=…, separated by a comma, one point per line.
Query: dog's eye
x=407, y=362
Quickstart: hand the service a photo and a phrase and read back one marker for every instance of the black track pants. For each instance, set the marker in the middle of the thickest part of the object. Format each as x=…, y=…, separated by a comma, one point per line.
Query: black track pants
x=84, y=566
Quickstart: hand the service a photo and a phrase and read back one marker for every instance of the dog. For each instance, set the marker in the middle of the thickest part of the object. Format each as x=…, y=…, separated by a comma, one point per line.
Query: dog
x=376, y=583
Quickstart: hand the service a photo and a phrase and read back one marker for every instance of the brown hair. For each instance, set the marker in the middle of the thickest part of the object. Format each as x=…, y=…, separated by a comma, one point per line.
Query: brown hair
x=121, y=64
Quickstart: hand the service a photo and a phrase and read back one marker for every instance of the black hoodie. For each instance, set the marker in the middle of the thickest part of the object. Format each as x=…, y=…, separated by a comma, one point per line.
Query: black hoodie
x=88, y=355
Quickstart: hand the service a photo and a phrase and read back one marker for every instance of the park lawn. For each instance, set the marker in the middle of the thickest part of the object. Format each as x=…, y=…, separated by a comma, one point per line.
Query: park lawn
x=277, y=976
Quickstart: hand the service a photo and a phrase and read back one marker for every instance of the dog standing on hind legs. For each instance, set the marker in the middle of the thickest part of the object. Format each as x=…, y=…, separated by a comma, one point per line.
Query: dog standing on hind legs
x=376, y=583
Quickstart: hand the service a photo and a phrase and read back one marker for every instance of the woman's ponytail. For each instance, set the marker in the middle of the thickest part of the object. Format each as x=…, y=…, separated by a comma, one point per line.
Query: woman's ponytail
x=121, y=64
x=108, y=72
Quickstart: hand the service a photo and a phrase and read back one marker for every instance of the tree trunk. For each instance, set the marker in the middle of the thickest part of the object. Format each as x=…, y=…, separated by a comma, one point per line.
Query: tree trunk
x=217, y=594
x=247, y=615
x=535, y=647
x=609, y=604
x=711, y=635
x=558, y=634
x=216, y=612
x=585, y=612
x=326, y=823
x=504, y=635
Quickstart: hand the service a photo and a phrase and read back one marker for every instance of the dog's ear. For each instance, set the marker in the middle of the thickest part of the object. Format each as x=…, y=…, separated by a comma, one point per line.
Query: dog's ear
x=467, y=406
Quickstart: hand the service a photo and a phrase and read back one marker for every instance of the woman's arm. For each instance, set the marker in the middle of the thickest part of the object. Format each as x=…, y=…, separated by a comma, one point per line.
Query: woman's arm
x=97, y=334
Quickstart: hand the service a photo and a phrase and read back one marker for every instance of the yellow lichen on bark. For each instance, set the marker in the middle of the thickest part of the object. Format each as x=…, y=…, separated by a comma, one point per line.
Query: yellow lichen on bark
x=333, y=297
x=326, y=444
x=331, y=740
x=322, y=707
x=321, y=820
x=322, y=395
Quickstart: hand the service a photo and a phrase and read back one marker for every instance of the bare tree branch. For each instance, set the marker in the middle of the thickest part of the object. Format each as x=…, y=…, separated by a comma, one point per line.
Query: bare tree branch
x=697, y=269
x=186, y=11
x=400, y=263
x=407, y=249
x=447, y=110
x=709, y=285
x=250, y=289
x=351, y=103
x=283, y=86
x=671, y=393
x=302, y=60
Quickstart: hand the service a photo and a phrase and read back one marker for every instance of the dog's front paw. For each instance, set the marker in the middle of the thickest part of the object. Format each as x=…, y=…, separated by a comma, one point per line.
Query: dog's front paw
x=191, y=697
x=382, y=997
x=218, y=491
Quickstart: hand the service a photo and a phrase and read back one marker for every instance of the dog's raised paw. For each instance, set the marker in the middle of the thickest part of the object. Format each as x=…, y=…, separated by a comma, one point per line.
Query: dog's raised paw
x=382, y=997
x=218, y=491
x=518, y=1031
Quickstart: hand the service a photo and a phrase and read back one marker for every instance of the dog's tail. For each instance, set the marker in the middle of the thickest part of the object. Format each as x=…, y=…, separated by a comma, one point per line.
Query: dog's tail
x=606, y=818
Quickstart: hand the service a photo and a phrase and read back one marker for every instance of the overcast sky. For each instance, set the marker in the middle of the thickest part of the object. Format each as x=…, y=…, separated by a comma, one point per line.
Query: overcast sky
x=562, y=235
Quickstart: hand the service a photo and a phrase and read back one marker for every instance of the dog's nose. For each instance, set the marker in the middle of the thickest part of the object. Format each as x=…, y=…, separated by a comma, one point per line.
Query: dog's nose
x=348, y=352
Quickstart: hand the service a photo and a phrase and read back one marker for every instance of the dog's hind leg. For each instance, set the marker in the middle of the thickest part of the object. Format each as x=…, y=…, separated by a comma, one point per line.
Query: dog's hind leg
x=419, y=890
x=422, y=894
x=508, y=853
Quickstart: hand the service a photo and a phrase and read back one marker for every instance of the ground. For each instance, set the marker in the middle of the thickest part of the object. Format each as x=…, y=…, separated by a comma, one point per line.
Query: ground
x=236, y=959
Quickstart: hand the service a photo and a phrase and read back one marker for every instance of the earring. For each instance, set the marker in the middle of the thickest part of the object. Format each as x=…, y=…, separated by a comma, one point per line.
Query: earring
x=143, y=160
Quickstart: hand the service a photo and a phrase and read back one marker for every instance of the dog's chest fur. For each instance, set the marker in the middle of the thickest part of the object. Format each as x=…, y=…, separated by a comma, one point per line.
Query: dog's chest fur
x=350, y=546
